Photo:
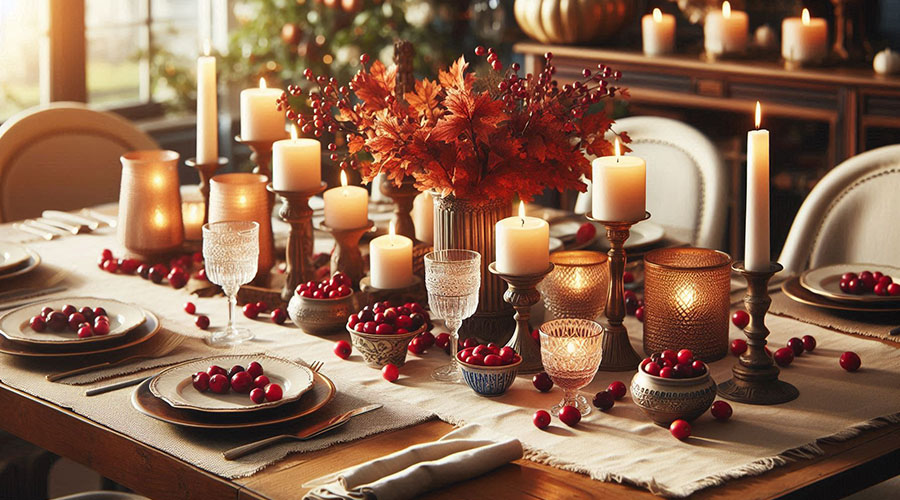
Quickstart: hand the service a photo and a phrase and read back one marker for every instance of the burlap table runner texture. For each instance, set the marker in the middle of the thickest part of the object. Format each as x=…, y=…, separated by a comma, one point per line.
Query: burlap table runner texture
x=620, y=445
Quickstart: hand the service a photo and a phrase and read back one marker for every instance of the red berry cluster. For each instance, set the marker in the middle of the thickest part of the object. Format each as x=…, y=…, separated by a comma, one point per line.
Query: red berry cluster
x=252, y=310
x=487, y=354
x=796, y=346
x=177, y=273
x=869, y=282
x=85, y=322
x=339, y=285
x=383, y=318
x=251, y=381
x=604, y=400
x=671, y=364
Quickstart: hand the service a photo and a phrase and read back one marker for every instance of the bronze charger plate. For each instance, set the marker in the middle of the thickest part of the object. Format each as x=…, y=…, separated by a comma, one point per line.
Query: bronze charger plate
x=794, y=290
x=322, y=392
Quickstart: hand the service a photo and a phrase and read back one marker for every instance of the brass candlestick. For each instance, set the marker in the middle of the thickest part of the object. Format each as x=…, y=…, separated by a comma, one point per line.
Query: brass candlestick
x=299, y=252
x=522, y=293
x=403, y=197
x=206, y=171
x=618, y=355
x=346, y=256
x=755, y=379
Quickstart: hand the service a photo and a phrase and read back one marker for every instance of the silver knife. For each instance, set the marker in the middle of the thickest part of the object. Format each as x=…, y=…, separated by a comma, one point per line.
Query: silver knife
x=103, y=389
x=73, y=218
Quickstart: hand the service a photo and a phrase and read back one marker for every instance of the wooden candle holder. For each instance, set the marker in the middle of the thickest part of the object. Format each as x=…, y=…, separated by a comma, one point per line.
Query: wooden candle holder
x=403, y=197
x=346, y=256
x=206, y=171
x=414, y=292
x=522, y=293
x=295, y=211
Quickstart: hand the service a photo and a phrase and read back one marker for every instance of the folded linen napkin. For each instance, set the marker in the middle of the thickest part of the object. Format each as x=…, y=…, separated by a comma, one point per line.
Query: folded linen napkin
x=410, y=472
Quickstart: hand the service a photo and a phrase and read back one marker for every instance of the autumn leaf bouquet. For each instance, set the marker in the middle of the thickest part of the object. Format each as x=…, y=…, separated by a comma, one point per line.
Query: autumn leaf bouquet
x=488, y=137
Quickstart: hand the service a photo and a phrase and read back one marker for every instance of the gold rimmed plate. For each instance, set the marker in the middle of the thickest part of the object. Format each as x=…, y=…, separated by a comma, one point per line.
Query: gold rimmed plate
x=15, y=324
x=322, y=392
x=825, y=281
x=794, y=290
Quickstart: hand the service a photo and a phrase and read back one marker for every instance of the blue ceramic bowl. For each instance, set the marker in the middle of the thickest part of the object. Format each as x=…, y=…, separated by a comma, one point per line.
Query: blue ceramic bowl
x=489, y=380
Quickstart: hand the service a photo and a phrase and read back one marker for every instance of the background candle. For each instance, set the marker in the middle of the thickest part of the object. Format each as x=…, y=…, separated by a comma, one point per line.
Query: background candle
x=619, y=185
x=423, y=217
x=756, y=236
x=725, y=31
x=658, y=32
x=243, y=197
x=192, y=214
x=207, y=119
x=804, y=39
x=523, y=244
x=390, y=261
x=260, y=118
x=296, y=164
x=346, y=207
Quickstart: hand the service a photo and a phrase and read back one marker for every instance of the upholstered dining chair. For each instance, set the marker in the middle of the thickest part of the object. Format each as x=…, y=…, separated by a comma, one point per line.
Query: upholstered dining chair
x=687, y=183
x=62, y=156
x=851, y=215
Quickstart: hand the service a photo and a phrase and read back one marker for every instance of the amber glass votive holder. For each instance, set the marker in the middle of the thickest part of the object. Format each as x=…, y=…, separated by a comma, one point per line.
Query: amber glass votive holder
x=243, y=197
x=686, y=301
x=150, y=220
x=576, y=288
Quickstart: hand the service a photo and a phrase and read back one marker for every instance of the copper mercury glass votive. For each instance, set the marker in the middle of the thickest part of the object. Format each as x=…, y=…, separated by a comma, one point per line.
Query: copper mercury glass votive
x=576, y=288
x=686, y=301
x=570, y=352
x=150, y=221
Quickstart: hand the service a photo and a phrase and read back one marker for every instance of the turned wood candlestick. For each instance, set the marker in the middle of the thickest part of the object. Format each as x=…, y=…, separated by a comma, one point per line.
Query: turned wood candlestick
x=346, y=256
x=295, y=211
x=618, y=355
x=755, y=376
x=206, y=171
x=522, y=293
x=403, y=197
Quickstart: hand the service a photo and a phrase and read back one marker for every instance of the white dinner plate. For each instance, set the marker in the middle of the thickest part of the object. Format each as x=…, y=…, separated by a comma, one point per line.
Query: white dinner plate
x=642, y=233
x=825, y=281
x=12, y=255
x=555, y=244
x=175, y=385
x=15, y=325
x=26, y=267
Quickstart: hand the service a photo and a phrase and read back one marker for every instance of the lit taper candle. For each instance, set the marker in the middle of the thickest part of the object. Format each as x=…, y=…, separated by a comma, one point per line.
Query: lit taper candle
x=756, y=236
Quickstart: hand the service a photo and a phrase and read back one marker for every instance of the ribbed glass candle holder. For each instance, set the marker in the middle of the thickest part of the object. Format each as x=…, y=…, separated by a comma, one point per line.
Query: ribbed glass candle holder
x=243, y=197
x=686, y=301
x=576, y=288
x=150, y=203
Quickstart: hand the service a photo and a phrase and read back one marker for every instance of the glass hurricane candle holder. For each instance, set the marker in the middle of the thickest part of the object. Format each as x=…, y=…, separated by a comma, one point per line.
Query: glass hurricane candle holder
x=686, y=301
x=150, y=220
x=243, y=197
x=577, y=286
x=571, y=349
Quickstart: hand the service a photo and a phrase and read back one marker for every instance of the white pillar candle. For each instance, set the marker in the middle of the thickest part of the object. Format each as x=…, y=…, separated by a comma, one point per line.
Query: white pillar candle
x=423, y=217
x=804, y=39
x=346, y=207
x=296, y=164
x=192, y=214
x=725, y=31
x=619, y=185
x=260, y=118
x=523, y=244
x=658, y=32
x=390, y=261
x=207, y=114
x=756, y=235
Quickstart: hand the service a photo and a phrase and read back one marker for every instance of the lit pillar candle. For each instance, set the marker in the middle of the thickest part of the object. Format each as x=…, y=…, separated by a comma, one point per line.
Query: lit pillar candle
x=423, y=217
x=346, y=207
x=207, y=117
x=658, y=32
x=192, y=214
x=390, y=261
x=523, y=244
x=725, y=31
x=296, y=164
x=619, y=185
x=756, y=236
x=260, y=118
x=804, y=39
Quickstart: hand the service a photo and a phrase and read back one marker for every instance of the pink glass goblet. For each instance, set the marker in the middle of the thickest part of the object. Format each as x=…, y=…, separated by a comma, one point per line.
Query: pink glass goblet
x=570, y=352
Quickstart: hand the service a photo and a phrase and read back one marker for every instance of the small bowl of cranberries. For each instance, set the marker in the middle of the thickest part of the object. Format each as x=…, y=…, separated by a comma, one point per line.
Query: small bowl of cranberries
x=672, y=385
x=381, y=332
x=322, y=307
x=489, y=369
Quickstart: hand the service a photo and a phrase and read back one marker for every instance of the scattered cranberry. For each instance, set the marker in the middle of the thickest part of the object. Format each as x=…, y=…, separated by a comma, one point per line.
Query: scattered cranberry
x=202, y=322
x=604, y=400
x=110, y=266
x=740, y=318
x=570, y=415
x=617, y=389
x=796, y=345
x=850, y=361
x=200, y=381
x=177, y=278
x=258, y=395
x=631, y=302
x=129, y=266
x=542, y=381
x=541, y=419
x=390, y=372
x=342, y=349
x=106, y=254
x=273, y=392
x=738, y=347
x=809, y=342
x=586, y=232
x=639, y=313
x=250, y=310
x=536, y=335
x=784, y=356
x=721, y=410
x=680, y=429
x=278, y=315
x=143, y=271
x=157, y=273
x=218, y=383
x=241, y=382
x=442, y=340
x=627, y=277
x=37, y=324
x=190, y=308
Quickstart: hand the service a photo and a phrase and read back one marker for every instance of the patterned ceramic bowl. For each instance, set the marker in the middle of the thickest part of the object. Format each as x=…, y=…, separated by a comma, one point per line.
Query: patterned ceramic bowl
x=668, y=399
x=489, y=380
x=321, y=316
x=379, y=350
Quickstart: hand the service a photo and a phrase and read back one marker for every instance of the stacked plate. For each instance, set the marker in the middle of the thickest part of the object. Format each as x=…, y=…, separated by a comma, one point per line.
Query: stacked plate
x=820, y=287
x=16, y=260
x=171, y=397
x=642, y=234
x=129, y=325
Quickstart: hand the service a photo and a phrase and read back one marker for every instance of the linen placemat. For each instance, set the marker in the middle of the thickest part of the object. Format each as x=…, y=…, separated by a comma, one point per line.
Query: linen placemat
x=870, y=324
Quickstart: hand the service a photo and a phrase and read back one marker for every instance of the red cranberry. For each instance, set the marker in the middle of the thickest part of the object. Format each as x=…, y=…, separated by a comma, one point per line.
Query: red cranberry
x=536, y=335
x=604, y=400
x=369, y=327
x=278, y=315
x=190, y=308
x=85, y=332
x=342, y=349
x=262, y=307
x=99, y=311
x=384, y=329
x=508, y=354
x=617, y=389
x=101, y=327
x=177, y=278
x=69, y=310
x=867, y=281
x=493, y=360
x=740, y=319
x=685, y=356
x=855, y=286
x=627, y=277
x=37, y=324
x=218, y=383
x=639, y=313
x=880, y=289
x=250, y=310
x=570, y=415
x=258, y=395
x=809, y=342
x=157, y=273
x=652, y=368
x=56, y=321
x=475, y=360
x=110, y=266
x=416, y=346
x=893, y=289
x=87, y=312
x=235, y=369
x=738, y=347
x=404, y=321
x=849, y=276
x=75, y=319
x=796, y=345
x=261, y=382
x=667, y=372
x=850, y=361
x=844, y=285
x=683, y=370
x=680, y=429
x=46, y=311
x=542, y=381
x=670, y=356
x=631, y=305
x=390, y=372
x=784, y=356
x=541, y=419
x=442, y=340
x=143, y=270
x=202, y=322
x=241, y=382
x=273, y=392
x=201, y=381
x=129, y=266
x=106, y=254
x=216, y=369
x=699, y=367
x=721, y=410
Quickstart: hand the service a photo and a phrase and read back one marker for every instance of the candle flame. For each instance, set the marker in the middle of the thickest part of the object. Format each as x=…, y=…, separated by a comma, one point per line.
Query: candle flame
x=344, y=178
x=571, y=347
x=685, y=298
x=618, y=149
x=158, y=218
x=758, y=114
x=726, y=10
x=157, y=180
x=391, y=230
x=242, y=200
x=805, y=16
x=657, y=15
x=206, y=48
x=522, y=209
x=262, y=82
x=294, y=132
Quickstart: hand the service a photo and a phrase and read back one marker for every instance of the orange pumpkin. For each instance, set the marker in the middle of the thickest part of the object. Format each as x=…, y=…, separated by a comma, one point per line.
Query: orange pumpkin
x=572, y=21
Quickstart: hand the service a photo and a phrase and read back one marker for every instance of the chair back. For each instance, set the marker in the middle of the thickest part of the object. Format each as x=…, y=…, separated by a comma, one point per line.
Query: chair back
x=851, y=215
x=62, y=156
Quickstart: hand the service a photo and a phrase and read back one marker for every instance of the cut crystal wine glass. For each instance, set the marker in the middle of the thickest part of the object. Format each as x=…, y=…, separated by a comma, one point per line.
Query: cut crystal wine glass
x=570, y=352
x=452, y=278
x=230, y=254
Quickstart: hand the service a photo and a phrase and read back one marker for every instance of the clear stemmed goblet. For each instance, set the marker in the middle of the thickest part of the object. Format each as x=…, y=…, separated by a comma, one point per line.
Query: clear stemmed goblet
x=452, y=278
x=570, y=352
x=230, y=254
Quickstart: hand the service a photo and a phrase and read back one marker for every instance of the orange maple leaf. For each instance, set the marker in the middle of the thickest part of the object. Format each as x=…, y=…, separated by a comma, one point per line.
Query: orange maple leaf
x=424, y=100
